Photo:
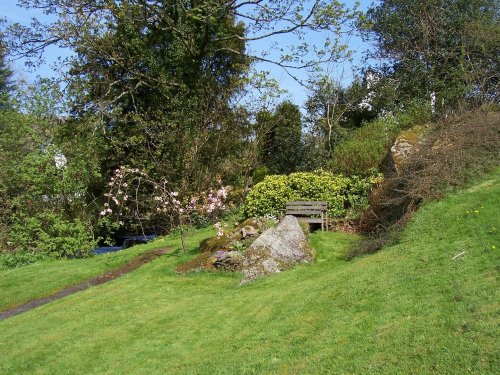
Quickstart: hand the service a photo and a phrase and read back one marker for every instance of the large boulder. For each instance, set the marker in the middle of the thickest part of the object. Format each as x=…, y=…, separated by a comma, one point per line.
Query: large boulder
x=276, y=249
x=273, y=251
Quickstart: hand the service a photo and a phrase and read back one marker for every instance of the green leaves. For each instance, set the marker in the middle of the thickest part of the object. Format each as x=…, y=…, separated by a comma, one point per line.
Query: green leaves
x=432, y=46
x=48, y=170
x=50, y=234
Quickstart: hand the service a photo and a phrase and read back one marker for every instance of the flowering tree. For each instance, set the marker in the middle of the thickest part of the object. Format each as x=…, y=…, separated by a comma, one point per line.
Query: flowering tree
x=134, y=197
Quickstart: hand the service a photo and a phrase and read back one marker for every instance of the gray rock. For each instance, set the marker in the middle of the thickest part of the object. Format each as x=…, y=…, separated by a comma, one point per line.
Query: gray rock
x=406, y=144
x=276, y=249
x=249, y=231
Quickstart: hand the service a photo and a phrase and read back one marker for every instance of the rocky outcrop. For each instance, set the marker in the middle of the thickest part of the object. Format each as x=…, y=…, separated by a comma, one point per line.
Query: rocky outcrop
x=249, y=228
x=276, y=249
x=407, y=143
x=224, y=252
x=242, y=251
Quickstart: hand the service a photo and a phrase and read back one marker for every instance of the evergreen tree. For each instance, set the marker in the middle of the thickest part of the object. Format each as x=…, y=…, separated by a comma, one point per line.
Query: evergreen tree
x=447, y=47
x=162, y=75
x=282, y=134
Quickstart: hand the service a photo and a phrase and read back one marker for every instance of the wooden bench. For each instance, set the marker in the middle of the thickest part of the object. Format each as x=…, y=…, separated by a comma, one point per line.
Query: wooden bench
x=315, y=212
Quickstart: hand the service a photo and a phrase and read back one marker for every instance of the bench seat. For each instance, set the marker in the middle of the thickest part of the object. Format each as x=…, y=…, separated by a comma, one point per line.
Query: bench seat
x=315, y=212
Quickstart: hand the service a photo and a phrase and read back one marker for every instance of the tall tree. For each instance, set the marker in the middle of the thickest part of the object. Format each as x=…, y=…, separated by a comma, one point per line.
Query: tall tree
x=281, y=138
x=155, y=72
x=162, y=74
x=48, y=168
x=447, y=47
x=326, y=107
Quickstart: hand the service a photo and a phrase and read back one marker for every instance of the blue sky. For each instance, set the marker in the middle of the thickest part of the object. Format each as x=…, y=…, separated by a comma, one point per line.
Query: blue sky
x=341, y=71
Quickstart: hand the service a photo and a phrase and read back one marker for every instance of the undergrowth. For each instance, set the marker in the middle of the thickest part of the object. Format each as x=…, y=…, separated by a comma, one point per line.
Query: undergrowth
x=457, y=151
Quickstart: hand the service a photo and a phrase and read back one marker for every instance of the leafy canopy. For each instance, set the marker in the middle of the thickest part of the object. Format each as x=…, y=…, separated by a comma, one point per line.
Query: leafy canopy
x=449, y=47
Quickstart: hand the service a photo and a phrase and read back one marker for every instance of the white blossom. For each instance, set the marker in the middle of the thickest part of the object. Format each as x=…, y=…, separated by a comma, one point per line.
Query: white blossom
x=60, y=160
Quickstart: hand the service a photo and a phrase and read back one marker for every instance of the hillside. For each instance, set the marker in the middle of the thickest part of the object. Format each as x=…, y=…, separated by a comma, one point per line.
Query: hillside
x=428, y=305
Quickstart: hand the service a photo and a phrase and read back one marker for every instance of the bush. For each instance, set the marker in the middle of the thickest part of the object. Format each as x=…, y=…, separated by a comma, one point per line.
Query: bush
x=260, y=173
x=49, y=234
x=367, y=147
x=20, y=259
x=346, y=196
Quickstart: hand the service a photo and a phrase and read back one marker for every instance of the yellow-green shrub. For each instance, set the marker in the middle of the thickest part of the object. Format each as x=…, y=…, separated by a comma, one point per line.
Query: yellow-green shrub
x=346, y=196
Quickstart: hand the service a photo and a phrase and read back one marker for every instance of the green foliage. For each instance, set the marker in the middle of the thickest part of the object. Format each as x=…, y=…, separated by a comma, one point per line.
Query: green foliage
x=331, y=111
x=260, y=173
x=280, y=136
x=20, y=259
x=346, y=196
x=5, y=74
x=143, y=69
x=326, y=105
x=268, y=197
x=367, y=147
x=449, y=47
x=48, y=170
x=48, y=233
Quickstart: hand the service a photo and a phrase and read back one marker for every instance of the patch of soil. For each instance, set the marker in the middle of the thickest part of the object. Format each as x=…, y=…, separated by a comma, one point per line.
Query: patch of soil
x=201, y=262
x=97, y=280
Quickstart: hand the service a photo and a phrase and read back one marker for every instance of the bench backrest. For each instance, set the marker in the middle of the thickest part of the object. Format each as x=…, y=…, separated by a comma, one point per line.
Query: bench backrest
x=306, y=207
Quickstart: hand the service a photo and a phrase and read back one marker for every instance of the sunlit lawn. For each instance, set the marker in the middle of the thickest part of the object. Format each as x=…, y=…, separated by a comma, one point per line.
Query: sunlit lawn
x=409, y=309
x=41, y=279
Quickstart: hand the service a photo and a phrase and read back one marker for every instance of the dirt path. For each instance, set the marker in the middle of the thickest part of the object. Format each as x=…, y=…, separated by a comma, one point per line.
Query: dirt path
x=97, y=280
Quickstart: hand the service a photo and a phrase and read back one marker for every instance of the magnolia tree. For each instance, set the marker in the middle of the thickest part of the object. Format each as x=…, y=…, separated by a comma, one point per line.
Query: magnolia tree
x=134, y=197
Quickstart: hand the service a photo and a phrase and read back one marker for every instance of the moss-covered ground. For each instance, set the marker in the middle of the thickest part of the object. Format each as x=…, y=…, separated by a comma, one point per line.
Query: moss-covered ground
x=428, y=305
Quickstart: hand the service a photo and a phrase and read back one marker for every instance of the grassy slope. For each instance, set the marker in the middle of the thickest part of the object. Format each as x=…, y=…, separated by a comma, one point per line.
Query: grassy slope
x=20, y=285
x=410, y=308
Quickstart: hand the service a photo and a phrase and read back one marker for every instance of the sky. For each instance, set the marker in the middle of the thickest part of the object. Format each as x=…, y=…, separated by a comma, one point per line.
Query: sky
x=341, y=71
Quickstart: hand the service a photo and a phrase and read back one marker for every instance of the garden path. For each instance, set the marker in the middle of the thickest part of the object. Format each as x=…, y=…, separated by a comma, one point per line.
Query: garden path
x=97, y=280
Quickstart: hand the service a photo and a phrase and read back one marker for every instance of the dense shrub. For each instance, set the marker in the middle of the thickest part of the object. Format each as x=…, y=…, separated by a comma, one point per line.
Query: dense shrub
x=20, y=259
x=346, y=196
x=47, y=233
x=49, y=175
x=367, y=147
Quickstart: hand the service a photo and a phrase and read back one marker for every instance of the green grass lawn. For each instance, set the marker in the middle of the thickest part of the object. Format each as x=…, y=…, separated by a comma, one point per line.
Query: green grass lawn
x=20, y=285
x=409, y=309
